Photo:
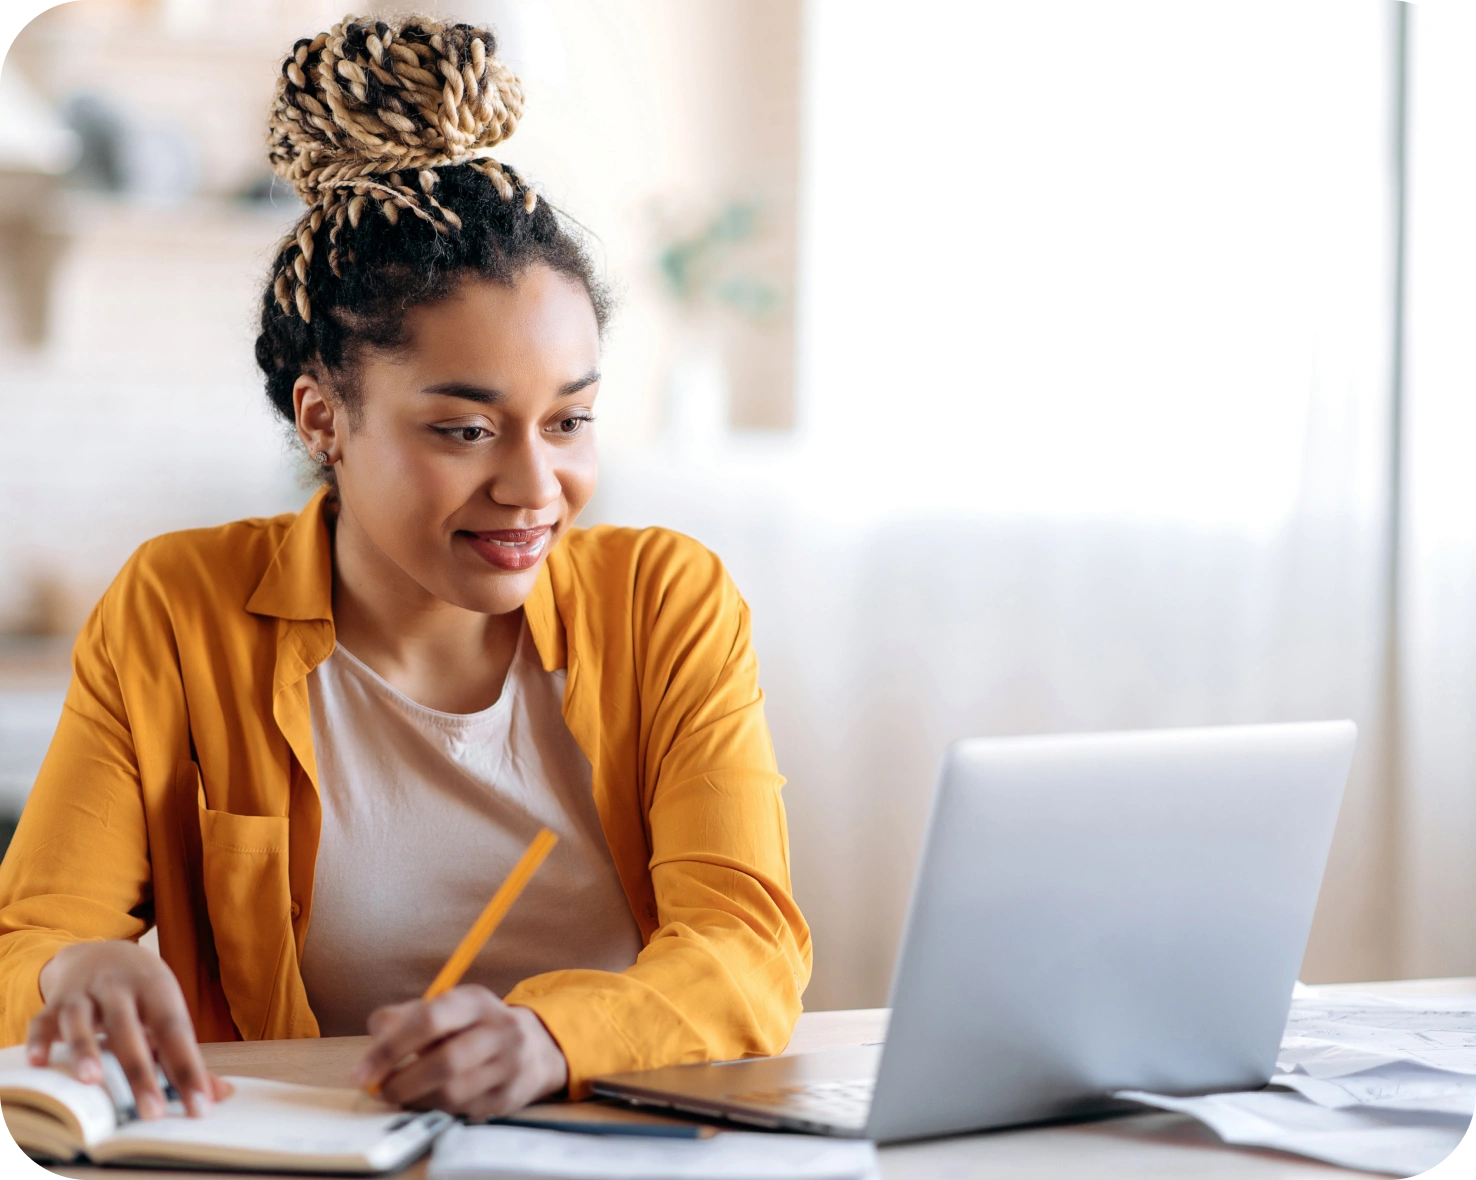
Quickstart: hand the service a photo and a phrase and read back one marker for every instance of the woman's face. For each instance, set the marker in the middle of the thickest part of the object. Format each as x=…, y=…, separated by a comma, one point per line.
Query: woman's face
x=470, y=451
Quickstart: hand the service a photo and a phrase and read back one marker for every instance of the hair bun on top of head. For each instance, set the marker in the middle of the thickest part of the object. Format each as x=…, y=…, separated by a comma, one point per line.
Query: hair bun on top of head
x=366, y=111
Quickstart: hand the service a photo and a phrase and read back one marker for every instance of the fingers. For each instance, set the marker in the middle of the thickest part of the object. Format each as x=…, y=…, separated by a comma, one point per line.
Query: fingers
x=171, y=1036
x=487, y=1092
x=404, y=1030
x=383, y=1021
x=482, y=1075
x=467, y=1052
x=220, y=1089
x=118, y=989
x=174, y=1036
x=497, y=1101
x=130, y=1046
x=459, y=1069
x=385, y=1024
x=79, y=1030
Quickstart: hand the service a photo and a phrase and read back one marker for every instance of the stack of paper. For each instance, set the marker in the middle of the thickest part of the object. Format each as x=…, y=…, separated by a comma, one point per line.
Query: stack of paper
x=1377, y=1084
x=517, y=1153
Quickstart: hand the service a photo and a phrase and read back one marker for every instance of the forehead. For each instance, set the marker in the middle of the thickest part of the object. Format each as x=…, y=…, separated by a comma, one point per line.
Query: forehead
x=543, y=320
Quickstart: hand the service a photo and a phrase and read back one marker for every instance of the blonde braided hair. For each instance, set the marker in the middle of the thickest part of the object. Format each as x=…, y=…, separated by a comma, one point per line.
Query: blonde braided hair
x=364, y=116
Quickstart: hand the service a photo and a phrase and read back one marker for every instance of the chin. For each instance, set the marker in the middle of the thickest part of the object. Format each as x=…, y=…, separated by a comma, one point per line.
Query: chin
x=492, y=592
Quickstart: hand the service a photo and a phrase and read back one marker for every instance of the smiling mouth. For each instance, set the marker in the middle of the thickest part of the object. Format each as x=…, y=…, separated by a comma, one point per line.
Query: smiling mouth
x=509, y=549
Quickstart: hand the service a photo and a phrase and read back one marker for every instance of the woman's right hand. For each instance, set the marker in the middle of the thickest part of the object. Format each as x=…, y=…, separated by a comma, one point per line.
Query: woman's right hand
x=128, y=993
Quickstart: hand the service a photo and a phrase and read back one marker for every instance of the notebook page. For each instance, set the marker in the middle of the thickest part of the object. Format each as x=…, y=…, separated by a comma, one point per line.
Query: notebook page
x=89, y=1105
x=265, y=1121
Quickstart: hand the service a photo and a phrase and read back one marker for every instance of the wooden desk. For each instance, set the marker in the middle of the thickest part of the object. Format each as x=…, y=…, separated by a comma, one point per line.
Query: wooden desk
x=1137, y=1147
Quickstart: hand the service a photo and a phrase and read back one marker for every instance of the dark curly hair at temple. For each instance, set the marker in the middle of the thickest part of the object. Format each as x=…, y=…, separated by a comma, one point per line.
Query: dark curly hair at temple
x=382, y=128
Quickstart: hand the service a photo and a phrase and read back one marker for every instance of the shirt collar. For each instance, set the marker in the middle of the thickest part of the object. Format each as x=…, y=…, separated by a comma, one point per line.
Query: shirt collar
x=298, y=584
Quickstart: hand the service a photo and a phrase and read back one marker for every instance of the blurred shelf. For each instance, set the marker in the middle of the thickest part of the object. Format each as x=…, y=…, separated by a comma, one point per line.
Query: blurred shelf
x=35, y=664
x=34, y=671
x=184, y=226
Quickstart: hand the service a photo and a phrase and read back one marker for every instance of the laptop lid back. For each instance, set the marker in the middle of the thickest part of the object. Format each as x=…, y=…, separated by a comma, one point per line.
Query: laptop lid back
x=1106, y=911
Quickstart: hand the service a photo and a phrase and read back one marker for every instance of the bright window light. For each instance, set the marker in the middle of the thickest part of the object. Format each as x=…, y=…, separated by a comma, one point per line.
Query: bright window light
x=1085, y=258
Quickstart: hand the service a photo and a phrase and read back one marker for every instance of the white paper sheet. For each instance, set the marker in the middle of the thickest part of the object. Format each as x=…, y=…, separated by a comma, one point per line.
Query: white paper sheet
x=1399, y=1086
x=1383, y=1085
x=1364, y=1139
x=1333, y=1036
x=488, y=1153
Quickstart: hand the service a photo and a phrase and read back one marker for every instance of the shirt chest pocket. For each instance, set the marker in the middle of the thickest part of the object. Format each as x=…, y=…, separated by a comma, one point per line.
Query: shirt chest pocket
x=248, y=897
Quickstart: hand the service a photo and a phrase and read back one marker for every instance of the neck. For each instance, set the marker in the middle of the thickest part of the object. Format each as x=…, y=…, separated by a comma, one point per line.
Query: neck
x=438, y=654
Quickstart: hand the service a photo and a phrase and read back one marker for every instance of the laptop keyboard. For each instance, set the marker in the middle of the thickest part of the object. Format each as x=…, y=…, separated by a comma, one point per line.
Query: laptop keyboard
x=843, y=1104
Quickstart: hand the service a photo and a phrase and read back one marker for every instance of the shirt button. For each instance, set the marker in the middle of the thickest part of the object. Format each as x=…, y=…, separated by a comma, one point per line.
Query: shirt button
x=296, y=909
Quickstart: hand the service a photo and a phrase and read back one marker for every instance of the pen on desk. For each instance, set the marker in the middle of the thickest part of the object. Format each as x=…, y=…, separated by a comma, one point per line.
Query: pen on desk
x=481, y=930
x=664, y=1129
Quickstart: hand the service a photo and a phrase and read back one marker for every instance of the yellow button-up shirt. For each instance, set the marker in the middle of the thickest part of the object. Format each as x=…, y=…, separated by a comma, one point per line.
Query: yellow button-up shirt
x=180, y=791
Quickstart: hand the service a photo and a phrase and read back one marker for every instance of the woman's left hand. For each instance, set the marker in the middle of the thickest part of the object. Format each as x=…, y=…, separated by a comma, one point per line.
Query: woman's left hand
x=472, y=1054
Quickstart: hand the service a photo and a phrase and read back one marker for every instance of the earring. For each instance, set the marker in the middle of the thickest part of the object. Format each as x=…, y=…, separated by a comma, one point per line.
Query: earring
x=322, y=458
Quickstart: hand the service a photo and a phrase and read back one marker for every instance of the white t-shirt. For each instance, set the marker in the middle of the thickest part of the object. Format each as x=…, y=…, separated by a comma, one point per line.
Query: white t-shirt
x=424, y=814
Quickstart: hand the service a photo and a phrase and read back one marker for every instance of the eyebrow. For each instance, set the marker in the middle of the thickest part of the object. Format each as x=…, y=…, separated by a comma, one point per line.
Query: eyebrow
x=487, y=396
x=582, y=383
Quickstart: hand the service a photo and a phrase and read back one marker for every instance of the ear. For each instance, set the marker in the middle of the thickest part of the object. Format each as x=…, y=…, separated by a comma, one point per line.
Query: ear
x=319, y=421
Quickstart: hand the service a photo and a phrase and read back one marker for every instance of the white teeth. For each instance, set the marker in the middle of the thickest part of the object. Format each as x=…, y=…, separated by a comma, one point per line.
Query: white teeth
x=536, y=543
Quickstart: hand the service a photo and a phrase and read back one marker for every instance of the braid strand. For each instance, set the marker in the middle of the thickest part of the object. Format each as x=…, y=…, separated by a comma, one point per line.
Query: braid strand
x=366, y=113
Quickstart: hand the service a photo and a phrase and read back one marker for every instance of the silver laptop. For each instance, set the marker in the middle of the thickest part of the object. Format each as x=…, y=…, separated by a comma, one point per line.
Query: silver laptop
x=1092, y=913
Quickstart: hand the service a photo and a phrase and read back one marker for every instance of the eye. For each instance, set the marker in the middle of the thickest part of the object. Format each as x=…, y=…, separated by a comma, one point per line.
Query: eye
x=574, y=424
x=469, y=434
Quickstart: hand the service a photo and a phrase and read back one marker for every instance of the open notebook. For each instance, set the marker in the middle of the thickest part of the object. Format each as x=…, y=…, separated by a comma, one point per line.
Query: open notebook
x=275, y=1126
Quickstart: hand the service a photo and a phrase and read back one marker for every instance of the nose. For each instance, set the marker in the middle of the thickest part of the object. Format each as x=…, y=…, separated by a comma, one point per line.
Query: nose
x=525, y=476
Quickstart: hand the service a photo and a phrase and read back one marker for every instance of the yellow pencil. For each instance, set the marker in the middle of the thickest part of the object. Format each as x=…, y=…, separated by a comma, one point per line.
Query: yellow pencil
x=502, y=901
x=481, y=930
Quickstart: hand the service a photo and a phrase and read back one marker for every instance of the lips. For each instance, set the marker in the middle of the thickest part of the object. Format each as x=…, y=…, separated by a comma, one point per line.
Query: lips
x=509, y=549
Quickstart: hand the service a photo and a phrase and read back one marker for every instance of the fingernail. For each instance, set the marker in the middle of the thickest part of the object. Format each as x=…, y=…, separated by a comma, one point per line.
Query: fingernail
x=89, y=1070
x=197, y=1102
x=36, y=1054
x=150, y=1107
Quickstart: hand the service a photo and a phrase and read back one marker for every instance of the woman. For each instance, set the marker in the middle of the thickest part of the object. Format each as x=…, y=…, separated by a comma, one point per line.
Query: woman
x=308, y=748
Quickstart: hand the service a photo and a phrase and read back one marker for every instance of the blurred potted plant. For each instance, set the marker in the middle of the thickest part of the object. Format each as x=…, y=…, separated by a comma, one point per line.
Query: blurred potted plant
x=711, y=274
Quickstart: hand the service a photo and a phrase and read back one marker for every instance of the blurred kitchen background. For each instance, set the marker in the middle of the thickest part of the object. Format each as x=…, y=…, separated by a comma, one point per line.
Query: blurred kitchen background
x=1034, y=367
